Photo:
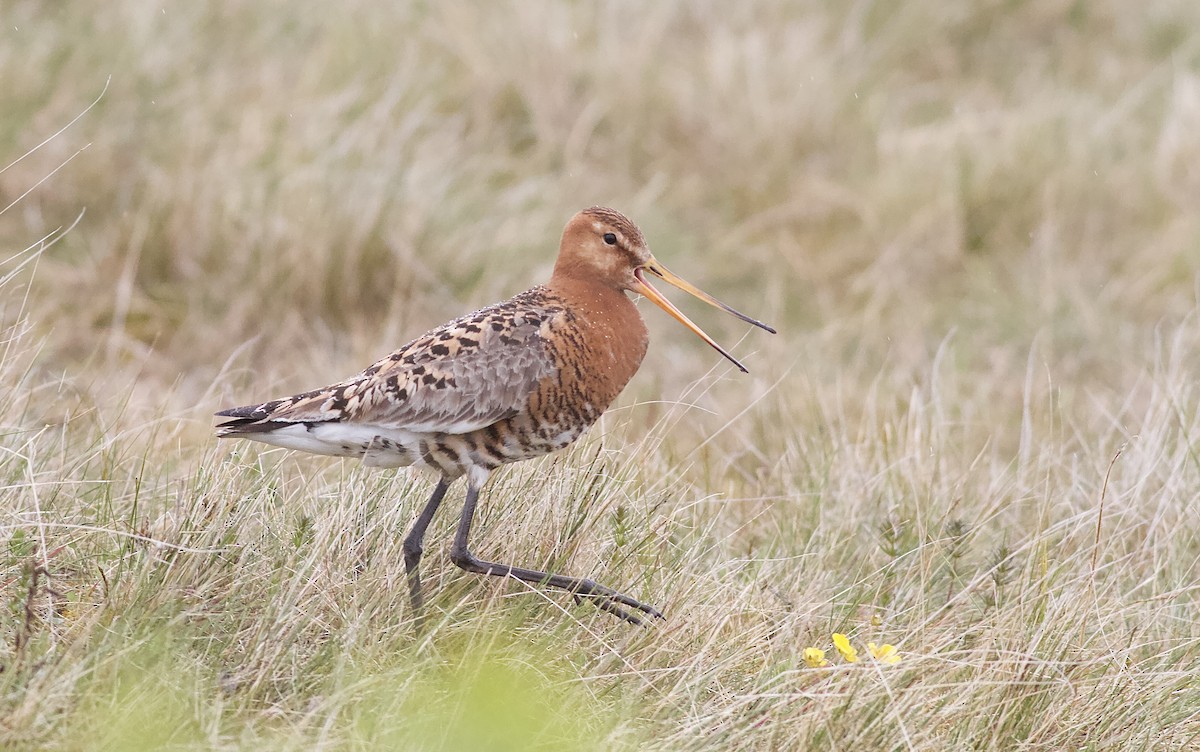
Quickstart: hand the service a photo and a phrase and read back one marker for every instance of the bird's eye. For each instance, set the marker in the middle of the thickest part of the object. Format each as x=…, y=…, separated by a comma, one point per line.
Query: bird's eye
x=610, y=238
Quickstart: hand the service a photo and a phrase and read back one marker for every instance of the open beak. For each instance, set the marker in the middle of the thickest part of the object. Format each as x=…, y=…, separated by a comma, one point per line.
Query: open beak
x=645, y=288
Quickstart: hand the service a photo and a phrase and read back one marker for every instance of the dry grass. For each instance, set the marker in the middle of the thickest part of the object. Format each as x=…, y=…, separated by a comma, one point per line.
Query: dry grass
x=974, y=224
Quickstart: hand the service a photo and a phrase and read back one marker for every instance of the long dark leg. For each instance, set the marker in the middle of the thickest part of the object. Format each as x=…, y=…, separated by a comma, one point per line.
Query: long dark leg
x=602, y=597
x=413, y=548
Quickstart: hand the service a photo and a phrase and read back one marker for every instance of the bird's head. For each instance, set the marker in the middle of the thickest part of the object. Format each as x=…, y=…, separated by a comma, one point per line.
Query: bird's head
x=603, y=246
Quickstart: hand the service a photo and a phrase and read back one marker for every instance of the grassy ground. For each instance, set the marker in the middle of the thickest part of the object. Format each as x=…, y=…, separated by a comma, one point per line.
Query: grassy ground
x=975, y=225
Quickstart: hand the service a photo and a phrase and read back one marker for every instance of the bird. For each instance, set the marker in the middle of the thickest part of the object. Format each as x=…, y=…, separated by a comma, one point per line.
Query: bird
x=512, y=381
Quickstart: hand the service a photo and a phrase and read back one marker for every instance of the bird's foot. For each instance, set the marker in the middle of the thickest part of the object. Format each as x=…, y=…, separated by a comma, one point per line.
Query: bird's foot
x=606, y=599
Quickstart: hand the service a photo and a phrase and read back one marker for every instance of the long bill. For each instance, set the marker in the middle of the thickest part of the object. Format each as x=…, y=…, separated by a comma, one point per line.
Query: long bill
x=645, y=288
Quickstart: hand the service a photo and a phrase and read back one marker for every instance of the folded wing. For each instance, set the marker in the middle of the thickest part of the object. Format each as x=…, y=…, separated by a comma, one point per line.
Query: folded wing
x=460, y=377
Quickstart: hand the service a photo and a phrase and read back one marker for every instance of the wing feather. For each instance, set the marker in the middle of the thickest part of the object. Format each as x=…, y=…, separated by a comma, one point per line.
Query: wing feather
x=458, y=378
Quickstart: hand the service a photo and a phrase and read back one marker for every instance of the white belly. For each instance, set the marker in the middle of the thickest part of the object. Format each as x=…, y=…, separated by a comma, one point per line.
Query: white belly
x=375, y=445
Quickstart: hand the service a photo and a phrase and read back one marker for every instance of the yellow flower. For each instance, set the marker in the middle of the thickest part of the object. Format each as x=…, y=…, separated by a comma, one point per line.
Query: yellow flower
x=815, y=657
x=845, y=648
x=885, y=653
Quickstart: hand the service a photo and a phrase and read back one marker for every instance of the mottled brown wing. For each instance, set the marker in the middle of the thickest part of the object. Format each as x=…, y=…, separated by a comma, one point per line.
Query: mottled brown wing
x=458, y=378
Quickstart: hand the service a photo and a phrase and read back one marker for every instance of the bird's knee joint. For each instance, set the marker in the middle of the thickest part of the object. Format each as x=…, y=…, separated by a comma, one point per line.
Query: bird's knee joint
x=412, y=550
x=463, y=558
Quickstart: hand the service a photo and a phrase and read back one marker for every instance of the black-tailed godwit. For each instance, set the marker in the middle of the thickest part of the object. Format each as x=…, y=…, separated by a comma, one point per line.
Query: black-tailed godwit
x=510, y=382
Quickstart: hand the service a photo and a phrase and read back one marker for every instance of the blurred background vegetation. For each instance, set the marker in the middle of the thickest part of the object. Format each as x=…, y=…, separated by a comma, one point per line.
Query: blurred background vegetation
x=975, y=225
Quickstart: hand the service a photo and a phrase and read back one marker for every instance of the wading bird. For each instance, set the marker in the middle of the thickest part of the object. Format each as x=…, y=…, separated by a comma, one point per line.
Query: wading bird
x=510, y=382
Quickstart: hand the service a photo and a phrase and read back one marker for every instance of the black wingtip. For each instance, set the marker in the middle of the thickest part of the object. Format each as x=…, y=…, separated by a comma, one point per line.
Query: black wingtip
x=245, y=419
x=243, y=426
x=245, y=411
